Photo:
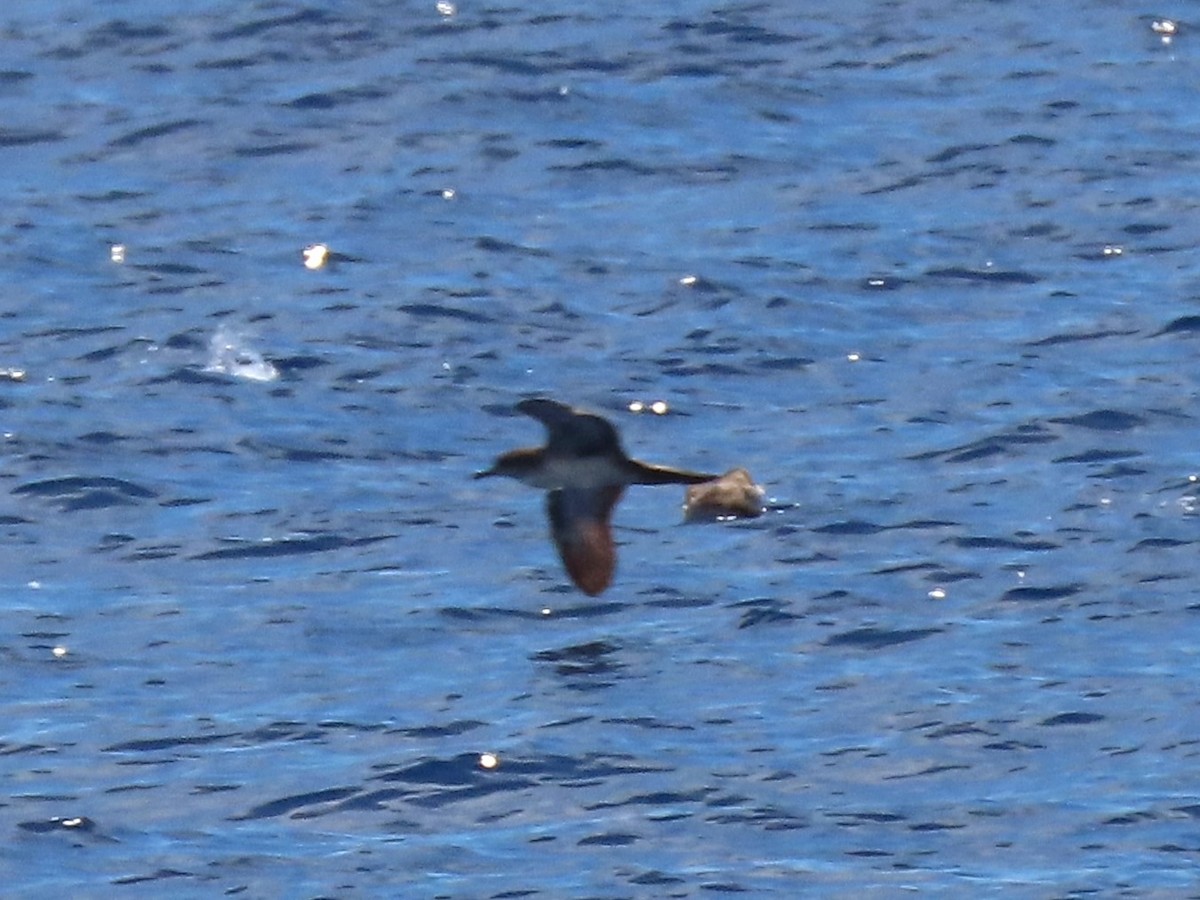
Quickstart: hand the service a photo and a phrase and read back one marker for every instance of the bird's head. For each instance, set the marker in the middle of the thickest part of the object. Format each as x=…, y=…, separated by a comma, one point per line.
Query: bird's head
x=516, y=464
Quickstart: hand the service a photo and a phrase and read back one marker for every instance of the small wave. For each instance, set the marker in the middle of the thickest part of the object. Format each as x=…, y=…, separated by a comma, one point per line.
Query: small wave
x=296, y=546
x=76, y=492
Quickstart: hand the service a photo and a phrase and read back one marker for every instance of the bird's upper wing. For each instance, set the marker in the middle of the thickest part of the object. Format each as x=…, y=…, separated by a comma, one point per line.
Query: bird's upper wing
x=569, y=430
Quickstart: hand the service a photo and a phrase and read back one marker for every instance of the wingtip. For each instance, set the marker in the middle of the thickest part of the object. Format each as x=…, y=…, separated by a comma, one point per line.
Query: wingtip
x=541, y=407
x=593, y=580
x=590, y=563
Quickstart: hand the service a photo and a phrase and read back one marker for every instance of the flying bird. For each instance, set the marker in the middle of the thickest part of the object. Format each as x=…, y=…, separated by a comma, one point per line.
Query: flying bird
x=585, y=471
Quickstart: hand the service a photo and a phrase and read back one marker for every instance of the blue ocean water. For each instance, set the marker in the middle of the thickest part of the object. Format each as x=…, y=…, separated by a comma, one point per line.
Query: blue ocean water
x=926, y=270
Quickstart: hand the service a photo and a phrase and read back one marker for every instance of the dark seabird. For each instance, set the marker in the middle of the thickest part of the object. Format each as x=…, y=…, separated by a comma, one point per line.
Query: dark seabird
x=585, y=472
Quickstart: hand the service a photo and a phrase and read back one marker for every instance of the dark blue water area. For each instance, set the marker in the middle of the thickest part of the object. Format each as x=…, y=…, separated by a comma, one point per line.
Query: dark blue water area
x=927, y=270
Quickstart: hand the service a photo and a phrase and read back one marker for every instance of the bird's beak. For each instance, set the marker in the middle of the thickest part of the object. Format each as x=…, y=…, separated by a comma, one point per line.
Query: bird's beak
x=486, y=473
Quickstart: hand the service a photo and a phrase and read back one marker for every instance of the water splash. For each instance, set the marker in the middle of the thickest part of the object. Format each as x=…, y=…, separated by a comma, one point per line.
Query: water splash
x=229, y=354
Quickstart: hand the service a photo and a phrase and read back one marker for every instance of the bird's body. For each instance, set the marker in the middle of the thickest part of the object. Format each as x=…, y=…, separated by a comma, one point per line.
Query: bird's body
x=549, y=472
x=585, y=471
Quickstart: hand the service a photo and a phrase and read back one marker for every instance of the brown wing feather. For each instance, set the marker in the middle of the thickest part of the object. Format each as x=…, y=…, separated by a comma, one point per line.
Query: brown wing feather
x=580, y=525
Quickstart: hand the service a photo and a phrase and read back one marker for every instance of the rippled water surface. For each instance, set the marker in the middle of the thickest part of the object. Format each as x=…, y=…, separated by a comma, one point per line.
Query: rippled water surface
x=927, y=270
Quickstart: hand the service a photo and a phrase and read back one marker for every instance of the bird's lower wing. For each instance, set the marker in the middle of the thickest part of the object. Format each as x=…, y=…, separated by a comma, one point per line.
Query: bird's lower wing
x=580, y=526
